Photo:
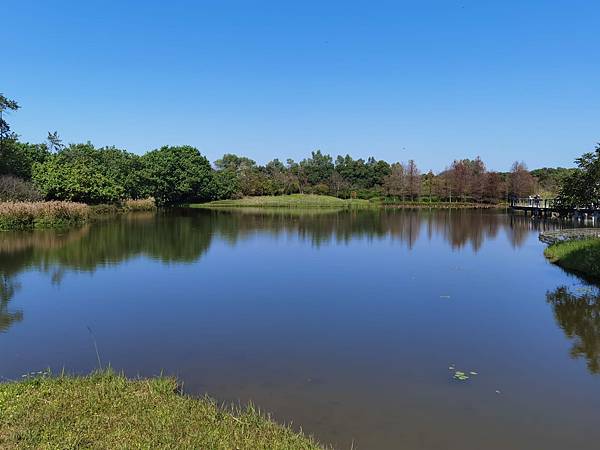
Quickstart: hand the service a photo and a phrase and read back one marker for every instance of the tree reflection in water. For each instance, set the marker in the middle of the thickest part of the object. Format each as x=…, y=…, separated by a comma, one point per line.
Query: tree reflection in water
x=184, y=235
x=8, y=287
x=577, y=312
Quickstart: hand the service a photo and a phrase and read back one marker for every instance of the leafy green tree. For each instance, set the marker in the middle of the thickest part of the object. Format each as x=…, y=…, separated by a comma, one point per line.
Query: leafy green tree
x=78, y=173
x=582, y=187
x=18, y=158
x=226, y=185
x=124, y=168
x=177, y=175
x=550, y=179
x=377, y=171
x=235, y=163
x=318, y=168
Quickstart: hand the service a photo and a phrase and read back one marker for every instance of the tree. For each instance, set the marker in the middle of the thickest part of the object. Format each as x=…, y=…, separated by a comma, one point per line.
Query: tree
x=394, y=184
x=413, y=180
x=318, y=168
x=550, y=179
x=460, y=178
x=124, y=168
x=5, y=133
x=337, y=184
x=55, y=142
x=520, y=182
x=428, y=184
x=225, y=185
x=235, y=163
x=85, y=174
x=177, y=175
x=582, y=187
x=18, y=158
x=493, y=187
x=477, y=179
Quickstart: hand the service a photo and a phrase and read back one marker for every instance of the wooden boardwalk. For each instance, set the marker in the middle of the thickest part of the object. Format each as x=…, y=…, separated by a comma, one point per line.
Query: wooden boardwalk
x=549, y=208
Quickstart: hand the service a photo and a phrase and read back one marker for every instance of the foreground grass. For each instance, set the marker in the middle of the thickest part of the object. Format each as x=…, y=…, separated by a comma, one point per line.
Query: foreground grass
x=287, y=201
x=108, y=411
x=581, y=256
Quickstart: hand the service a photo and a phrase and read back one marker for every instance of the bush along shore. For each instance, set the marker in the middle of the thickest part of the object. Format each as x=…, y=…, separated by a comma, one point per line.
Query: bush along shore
x=61, y=214
x=107, y=410
x=579, y=256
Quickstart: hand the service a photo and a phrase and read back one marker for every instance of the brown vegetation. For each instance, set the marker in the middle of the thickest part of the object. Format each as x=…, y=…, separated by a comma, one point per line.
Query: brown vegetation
x=26, y=215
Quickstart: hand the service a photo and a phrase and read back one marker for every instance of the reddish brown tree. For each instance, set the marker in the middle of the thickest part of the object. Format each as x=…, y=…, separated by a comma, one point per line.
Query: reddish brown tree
x=521, y=182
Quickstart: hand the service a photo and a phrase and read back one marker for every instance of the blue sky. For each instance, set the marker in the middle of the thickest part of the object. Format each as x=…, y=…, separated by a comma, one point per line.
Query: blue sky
x=428, y=80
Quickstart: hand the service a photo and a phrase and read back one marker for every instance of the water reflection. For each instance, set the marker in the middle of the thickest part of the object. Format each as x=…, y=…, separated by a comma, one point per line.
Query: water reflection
x=183, y=236
x=8, y=287
x=458, y=227
x=577, y=312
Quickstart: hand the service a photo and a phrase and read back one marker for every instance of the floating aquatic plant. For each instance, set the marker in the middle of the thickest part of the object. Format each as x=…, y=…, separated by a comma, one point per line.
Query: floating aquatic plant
x=460, y=376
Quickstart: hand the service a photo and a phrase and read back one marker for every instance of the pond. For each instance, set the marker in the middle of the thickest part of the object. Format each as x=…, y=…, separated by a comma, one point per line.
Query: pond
x=349, y=324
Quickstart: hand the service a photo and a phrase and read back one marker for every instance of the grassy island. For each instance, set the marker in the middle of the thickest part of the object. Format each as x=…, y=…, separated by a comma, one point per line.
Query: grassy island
x=107, y=410
x=288, y=201
x=581, y=256
x=308, y=201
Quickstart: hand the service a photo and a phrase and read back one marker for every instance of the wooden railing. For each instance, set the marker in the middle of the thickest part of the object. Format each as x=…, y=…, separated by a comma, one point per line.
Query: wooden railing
x=533, y=202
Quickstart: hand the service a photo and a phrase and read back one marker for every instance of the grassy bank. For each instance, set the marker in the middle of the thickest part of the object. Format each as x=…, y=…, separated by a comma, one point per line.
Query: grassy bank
x=288, y=201
x=581, y=256
x=105, y=410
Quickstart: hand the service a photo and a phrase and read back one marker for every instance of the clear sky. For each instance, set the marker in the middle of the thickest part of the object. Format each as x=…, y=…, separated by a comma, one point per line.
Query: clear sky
x=428, y=80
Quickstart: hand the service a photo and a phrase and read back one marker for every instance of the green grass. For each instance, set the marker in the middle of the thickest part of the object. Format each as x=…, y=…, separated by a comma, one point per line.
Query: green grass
x=581, y=256
x=108, y=411
x=288, y=201
x=308, y=201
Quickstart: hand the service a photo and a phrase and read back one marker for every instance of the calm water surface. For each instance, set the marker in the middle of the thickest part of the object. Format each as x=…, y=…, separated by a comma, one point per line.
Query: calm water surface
x=344, y=323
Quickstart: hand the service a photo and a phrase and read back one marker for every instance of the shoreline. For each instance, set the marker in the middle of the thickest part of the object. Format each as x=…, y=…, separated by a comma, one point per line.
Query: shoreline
x=579, y=256
x=108, y=410
x=27, y=216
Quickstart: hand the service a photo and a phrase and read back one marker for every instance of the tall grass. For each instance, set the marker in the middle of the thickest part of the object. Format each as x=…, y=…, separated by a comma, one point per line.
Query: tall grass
x=28, y=215
x=144, y=204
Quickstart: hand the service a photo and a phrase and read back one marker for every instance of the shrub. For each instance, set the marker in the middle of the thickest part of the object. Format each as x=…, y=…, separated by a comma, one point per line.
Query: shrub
x=27, y=215
x=17, y=190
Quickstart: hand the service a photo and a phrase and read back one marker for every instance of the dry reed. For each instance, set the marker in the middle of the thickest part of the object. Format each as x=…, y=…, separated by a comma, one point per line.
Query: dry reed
x=27, y=215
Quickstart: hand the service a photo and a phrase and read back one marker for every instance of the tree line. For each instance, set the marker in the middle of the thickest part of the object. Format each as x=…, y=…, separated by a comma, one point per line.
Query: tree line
x=181, y=174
